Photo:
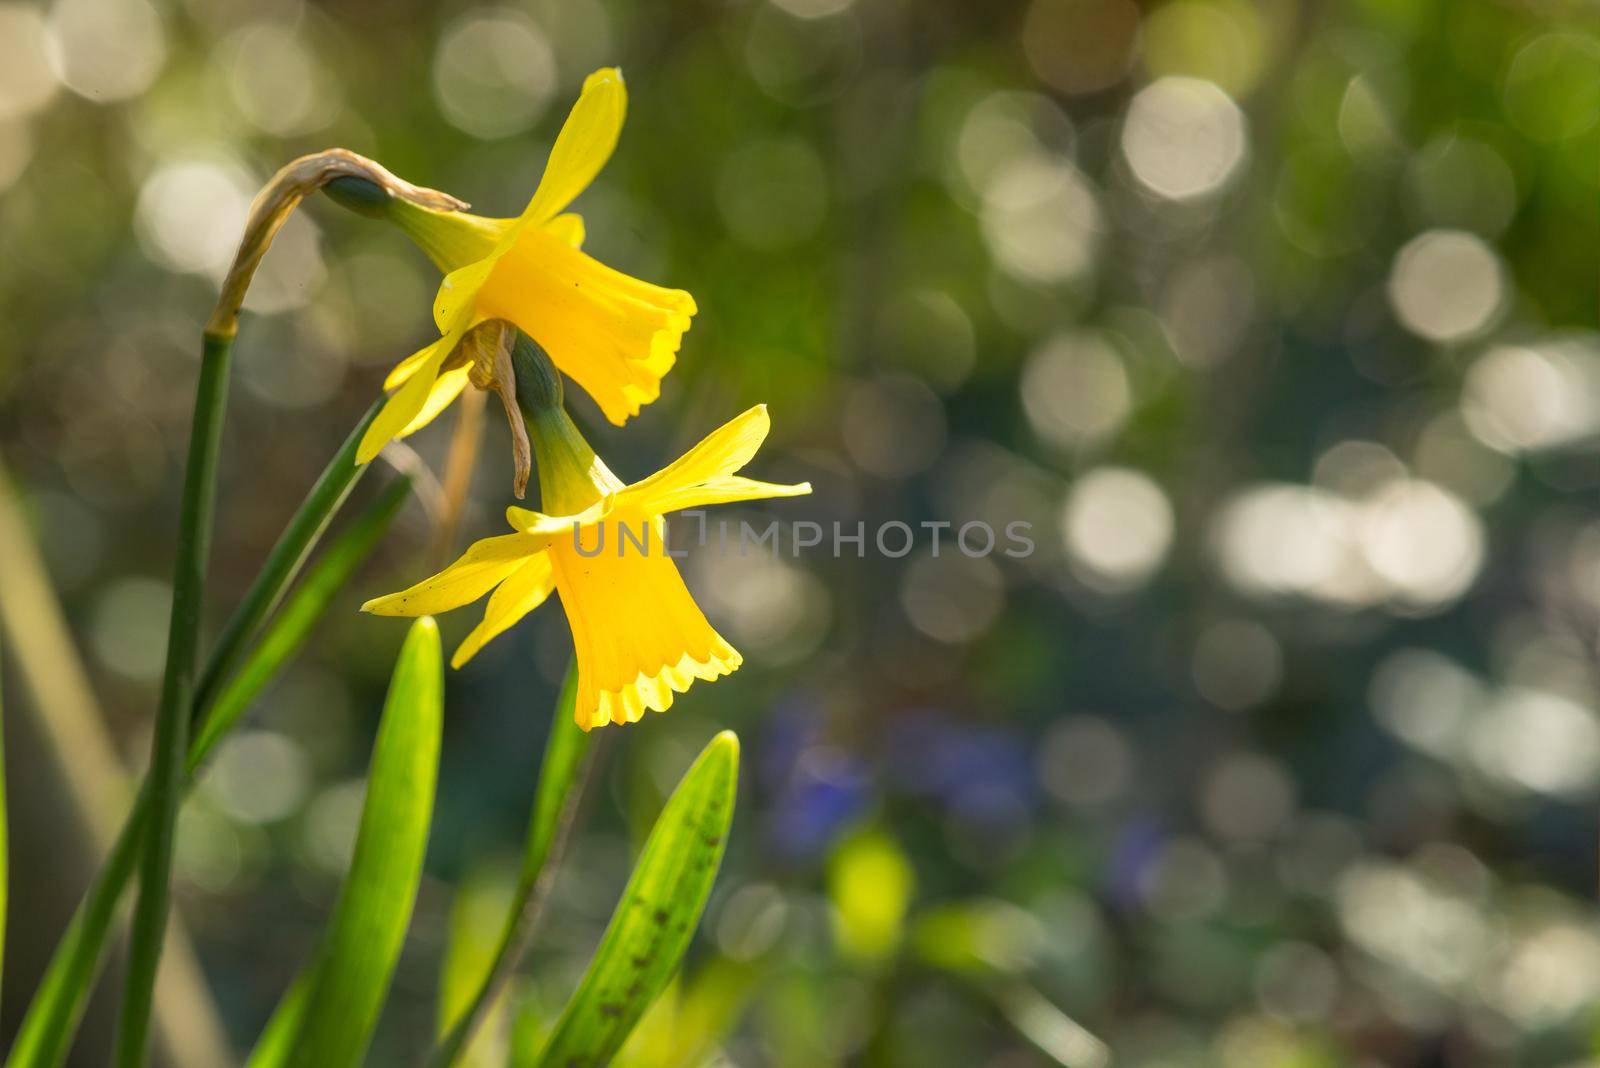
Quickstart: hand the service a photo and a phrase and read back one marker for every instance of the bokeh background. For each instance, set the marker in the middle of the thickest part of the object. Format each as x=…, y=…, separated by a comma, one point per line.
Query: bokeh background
x=1275, y=318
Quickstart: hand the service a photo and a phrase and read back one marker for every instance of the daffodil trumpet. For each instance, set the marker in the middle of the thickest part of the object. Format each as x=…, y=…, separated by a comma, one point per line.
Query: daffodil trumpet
x=615, y=336
x=638, y=634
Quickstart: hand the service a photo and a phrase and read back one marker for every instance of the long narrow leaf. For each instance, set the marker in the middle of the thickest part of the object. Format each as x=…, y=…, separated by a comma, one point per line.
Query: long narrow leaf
x=277, y=1038
x=554, y=806
x=653, y=923
x=374, y=909
x=283, y=563
x=290, y=628
x=477, y=917
x=52, y=1018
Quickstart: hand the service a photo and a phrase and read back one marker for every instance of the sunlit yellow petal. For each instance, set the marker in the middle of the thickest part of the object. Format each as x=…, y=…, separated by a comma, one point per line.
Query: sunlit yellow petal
x=721, y=452
x=723, y=490
x=616, y=336
x=406, y=368
x=522, y=591
x=638, y=635
x=567, y=229
x=446, y=388
x=403, y=405
x=455, y=303
x=583, y=146
x=478, y=570
x=548, y=526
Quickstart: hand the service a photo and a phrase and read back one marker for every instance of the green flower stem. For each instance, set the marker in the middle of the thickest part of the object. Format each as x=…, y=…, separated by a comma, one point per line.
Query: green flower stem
x=52, y=1019
x=171, y=742
x=566, y=770
x=285, y=560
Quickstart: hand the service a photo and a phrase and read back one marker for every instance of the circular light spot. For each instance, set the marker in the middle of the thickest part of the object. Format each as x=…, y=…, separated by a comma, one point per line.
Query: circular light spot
x=928, y=332
x=1185, y=881
x=278, y=83
x=1183, y=138
x=1540, y=742
x=1552, y=976
x=1426, y=699
x=950, y=597
x=1464, y=184
x=751, y=921
x=16, y=151
x=1085, y=761
x=128, y=627
x=1448, y=453
x=1355, y=468
x=1042, y=221
x=1552, y=88
x=494, y=73
x=893, y=427
x=1005, y=129
x=770, y=604
x=1222, y=41
x=1237, y=664
x=773, y=194
x=1117, y=525
x=107, y=49
x=813, y=9
x=332, y=821
x=1447, y=285
x=1422, y=541
x=206, y=850
x=1080, y=46
x=190, y=214
x=1207, y=307
x=258, y=777
x=1520, y=399
x=1284, y=539
x=1296, y=983
x=1075, y=391
x=27, y=82
x=291, y=271
x=1247, y=798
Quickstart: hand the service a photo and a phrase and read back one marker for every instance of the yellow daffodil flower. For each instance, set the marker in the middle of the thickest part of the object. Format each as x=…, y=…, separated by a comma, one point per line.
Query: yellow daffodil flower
x=614, y=335
x=637, y=632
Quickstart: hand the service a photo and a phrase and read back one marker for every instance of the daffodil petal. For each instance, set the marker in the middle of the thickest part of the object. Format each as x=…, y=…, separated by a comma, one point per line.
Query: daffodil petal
x=406, y=368
x=616, y=336
x=723, y=490
x=446, y=388
x=630, y=659
x=720, y=453
x=456, y=301
x=567, y=229
x=522, y=591
x=479, y=570
x=404, y=404
x=538, y=524
x=583, y=146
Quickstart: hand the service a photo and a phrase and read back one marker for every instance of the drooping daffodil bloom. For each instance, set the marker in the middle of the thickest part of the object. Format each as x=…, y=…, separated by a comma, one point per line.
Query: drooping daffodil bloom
x=601, y=545
x=614, y=335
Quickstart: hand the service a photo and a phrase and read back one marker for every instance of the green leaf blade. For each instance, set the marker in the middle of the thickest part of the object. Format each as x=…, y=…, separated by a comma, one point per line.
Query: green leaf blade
x=47, y=1029
x=374, y=910
x=653, y=923
x=560, y=788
